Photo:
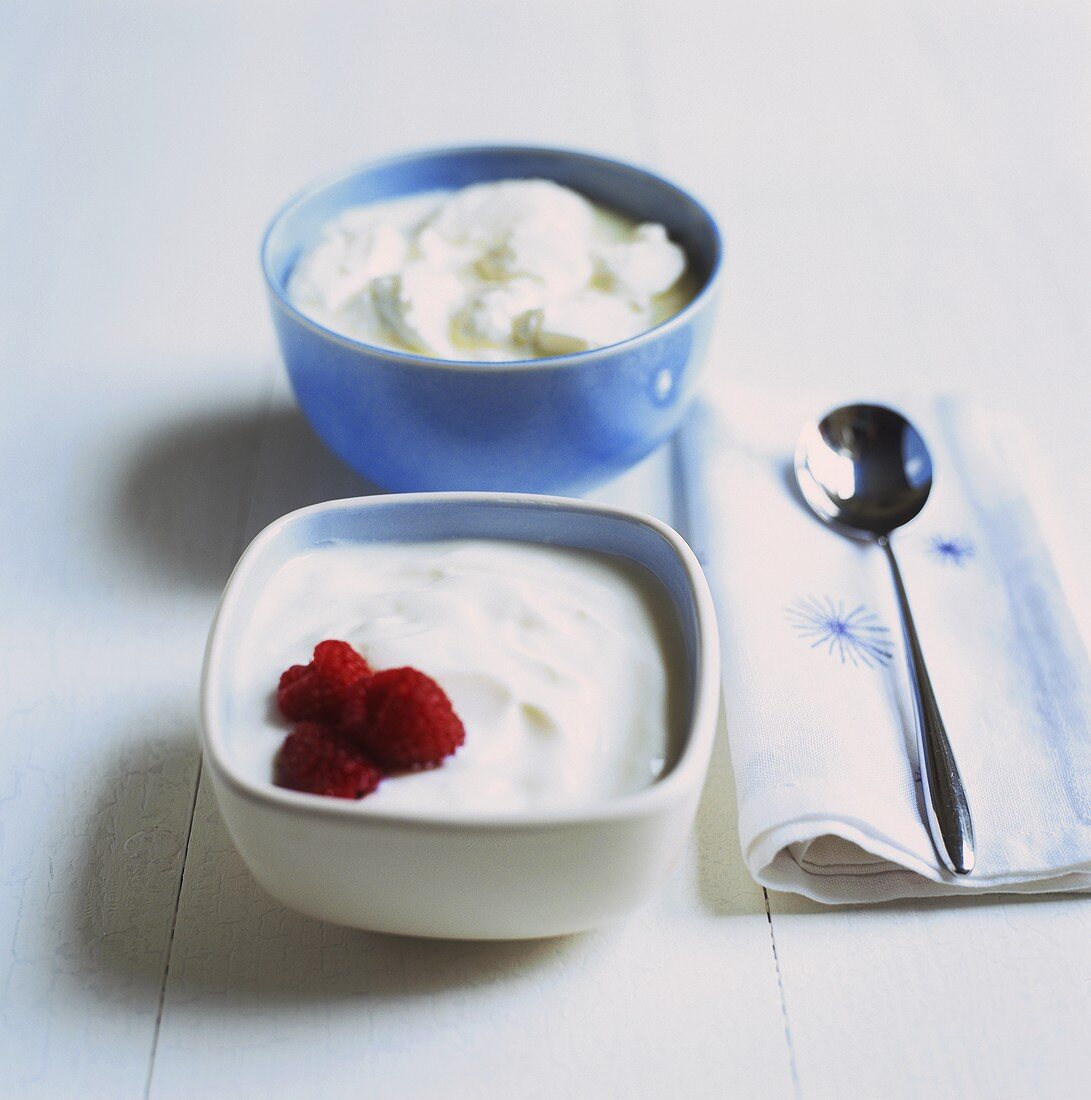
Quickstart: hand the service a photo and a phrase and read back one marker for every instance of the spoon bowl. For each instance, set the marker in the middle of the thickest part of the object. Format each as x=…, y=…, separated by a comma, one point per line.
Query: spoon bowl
x=865, y=470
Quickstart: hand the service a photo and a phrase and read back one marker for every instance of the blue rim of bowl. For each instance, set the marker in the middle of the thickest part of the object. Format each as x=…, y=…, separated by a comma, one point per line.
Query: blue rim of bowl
x=692, y=757
x=408, y=357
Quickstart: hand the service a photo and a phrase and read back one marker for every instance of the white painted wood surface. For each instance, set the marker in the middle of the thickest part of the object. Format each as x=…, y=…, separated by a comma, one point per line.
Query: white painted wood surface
x=906, y=190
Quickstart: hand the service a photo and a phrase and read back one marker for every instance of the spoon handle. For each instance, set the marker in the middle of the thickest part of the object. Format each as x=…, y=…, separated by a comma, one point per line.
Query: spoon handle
x=944, y=797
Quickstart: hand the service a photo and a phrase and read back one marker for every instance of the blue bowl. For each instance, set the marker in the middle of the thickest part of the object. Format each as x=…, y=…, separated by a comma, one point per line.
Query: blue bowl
x=562, y=424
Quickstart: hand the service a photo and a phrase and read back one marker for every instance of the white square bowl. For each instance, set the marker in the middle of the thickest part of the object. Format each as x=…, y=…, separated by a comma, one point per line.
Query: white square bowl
x=453, y=875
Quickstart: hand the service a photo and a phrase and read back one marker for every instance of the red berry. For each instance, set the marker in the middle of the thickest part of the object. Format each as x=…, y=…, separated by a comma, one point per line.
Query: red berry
x=315, y=759
x=290, y=675
x=354, y=708
x=316, y=691
x=403, y=719
x=339, y=663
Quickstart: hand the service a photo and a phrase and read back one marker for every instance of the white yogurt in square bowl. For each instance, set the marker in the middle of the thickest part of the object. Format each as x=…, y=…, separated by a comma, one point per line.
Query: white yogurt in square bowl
x=578, y=644
x=564, y=665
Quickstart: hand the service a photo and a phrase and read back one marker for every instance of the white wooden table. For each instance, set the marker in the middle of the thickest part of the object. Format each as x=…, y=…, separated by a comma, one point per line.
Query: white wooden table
x=906, y=191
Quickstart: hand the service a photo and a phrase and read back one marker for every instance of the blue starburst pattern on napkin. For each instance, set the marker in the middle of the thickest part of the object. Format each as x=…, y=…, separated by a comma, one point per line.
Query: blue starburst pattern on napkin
x=855, y=637
x=951, y=549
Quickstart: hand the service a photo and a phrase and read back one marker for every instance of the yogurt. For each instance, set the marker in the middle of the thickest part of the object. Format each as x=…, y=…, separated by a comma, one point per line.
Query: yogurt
x=516, y=269
x=564, y=665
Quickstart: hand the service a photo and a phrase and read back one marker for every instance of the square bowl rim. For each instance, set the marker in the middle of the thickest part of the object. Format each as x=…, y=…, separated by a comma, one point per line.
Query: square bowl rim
x=687, y=771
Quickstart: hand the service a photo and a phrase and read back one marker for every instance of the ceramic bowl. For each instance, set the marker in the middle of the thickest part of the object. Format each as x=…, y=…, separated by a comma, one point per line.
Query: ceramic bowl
x=563, y=424
x=506, y=875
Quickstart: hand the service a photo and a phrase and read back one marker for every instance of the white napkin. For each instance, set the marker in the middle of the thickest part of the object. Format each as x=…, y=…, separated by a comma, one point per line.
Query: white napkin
x=815, y=685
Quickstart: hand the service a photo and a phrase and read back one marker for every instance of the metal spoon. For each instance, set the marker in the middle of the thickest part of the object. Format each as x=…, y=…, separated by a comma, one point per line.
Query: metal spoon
x=865, y=471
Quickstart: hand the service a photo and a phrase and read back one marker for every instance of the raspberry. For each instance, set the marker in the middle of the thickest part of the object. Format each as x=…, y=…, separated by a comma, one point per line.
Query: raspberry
x=339, y=663
x=354, y=709
x=402, y=719
x=316, y=691
x=290, y=675
x=315, y=759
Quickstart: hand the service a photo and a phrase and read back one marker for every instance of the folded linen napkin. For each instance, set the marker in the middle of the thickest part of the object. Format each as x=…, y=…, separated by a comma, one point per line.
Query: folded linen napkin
x=819, y=714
